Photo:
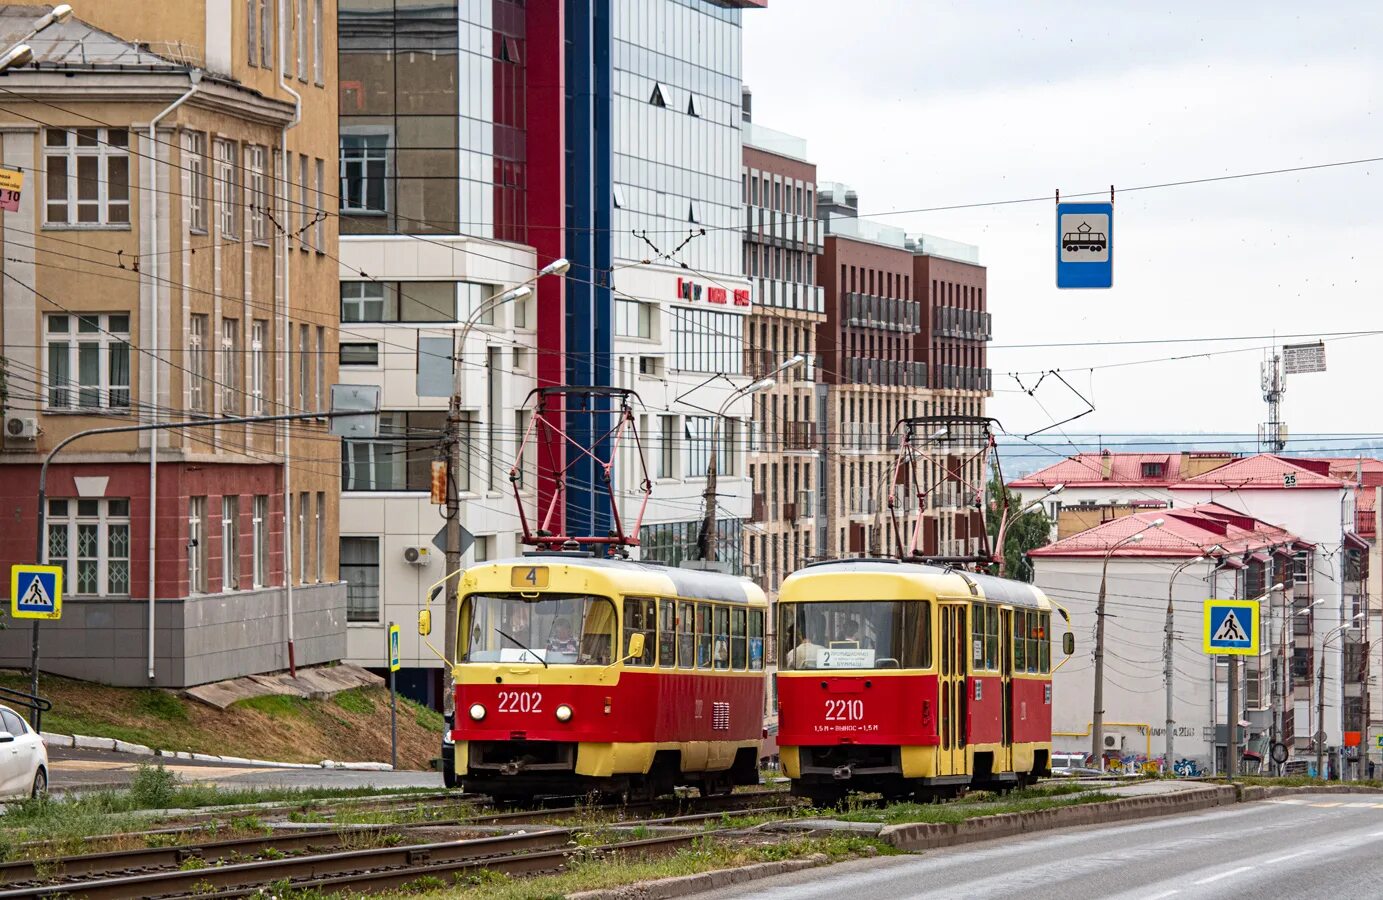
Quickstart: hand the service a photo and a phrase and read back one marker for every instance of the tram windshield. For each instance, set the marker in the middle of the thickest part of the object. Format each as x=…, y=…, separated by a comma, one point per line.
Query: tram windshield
x=861, y=634
x=555, y=629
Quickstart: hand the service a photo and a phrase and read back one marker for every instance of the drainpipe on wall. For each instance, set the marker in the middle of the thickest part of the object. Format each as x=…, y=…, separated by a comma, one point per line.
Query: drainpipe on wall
x=195, y=77
x=284, y=334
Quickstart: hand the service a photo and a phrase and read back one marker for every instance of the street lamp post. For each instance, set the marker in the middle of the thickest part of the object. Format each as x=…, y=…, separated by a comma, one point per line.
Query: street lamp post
x=1233, y=703
x=1097, y=717
x=20, y=53
x=453, y=497
x=1320, y=691
x=707, y=539
x=1167, y=645
x=1005, y=520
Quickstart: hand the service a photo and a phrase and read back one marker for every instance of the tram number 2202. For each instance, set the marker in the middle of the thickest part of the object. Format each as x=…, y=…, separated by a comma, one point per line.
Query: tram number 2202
x=520, y=701
x=844, y=710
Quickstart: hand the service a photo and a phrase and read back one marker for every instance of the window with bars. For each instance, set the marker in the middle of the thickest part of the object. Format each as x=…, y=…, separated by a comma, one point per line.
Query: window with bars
x=360, y=572
x=196, y=363
x=196, y=544
x=90, y=540
x=88, y=361
x=230, y=543
x=230, y=366
x=194, y=151
x=258, y=188
x=227, y=180
x=259, y=526
x=86, y=177
x=259, y=364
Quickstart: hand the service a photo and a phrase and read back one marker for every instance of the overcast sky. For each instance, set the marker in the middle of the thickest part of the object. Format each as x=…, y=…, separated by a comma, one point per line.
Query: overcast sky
x=922, y=104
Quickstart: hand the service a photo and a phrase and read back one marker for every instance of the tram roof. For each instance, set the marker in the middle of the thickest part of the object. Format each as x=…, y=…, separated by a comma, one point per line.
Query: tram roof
x=942, y=581
x=642, y=576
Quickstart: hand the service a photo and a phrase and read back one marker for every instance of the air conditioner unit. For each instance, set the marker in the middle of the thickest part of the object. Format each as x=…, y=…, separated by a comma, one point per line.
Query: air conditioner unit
x=417, y=555
x=23, y=427
x=1113, y=742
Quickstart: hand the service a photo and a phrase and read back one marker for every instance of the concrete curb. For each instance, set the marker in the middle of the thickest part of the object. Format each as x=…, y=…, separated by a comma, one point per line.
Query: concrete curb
x=684, y=885
x=1249, y=793
x=87, y=742
x=931, y=835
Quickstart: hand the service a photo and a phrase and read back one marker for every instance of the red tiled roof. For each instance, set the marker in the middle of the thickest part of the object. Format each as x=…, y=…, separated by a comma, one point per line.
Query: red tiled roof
x=1185, y=532
x=1083, y=469
x=1261, y=472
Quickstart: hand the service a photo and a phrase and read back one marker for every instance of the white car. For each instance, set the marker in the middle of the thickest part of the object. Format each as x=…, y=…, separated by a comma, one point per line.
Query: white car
x=23, y=758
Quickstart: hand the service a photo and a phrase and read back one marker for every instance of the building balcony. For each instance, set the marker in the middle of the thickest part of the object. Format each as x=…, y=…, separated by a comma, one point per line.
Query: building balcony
x=886, y=372
x=962, y=378
x=883, y=313
x=964, y=324
x=800, y=436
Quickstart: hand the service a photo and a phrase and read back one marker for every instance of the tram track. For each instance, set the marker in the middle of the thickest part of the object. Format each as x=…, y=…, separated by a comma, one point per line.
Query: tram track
x=324, y=858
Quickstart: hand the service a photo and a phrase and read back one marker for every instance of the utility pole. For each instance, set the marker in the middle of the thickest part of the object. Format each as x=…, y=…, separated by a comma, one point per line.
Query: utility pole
x=1232, y=754
x=1168, y=642
x=1097, y=715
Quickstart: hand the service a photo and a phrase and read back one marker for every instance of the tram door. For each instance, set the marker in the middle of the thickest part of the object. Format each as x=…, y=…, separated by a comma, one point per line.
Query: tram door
x=951, y=687
x=1005, y=762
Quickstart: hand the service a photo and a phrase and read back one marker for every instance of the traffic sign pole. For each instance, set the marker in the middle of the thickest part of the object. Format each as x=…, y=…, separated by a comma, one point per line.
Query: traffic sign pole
x=1233, y=744
x=393, y=695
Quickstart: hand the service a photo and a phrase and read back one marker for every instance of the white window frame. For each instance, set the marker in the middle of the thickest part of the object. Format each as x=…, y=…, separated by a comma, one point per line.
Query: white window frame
x=69, y=523
x=319, y=383
x=300, y=14
x=230, y=542
x=260, y=531
x=353, y=295
x=196, y=545
x=194, y=148
x=196, y=363
x=230, y=366
x=226, y=181
x=105, y=146
x=317, y=43
x=346, y=575
x=359, y=153
x=320, y=530
x=65, y=390
x=256, y=186
x=266, y=35
x=259, y=330
x=319, y=219
x=302, y=537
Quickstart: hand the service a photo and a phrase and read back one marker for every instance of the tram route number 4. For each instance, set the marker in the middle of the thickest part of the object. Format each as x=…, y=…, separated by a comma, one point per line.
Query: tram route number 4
x=36, y=592
x=1231, y=627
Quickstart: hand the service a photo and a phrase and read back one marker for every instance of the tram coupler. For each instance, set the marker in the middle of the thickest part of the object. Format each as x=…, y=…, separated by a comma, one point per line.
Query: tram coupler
x=842, y=773
x=511, y=768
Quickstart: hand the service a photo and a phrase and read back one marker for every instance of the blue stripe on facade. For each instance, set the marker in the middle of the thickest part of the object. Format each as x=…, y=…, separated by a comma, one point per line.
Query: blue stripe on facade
x=590, y=304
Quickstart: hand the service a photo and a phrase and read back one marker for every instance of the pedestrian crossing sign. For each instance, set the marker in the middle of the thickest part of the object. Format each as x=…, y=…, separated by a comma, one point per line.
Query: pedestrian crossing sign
x=36, y=592
x=1231, y=627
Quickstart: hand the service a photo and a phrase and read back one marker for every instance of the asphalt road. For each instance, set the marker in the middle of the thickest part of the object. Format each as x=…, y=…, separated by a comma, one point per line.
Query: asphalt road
x=72, y=769
x=1303, y=847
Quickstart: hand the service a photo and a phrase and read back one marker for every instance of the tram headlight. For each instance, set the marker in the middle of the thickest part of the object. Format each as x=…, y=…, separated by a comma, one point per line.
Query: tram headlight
x=564, y=713
x=477, y=711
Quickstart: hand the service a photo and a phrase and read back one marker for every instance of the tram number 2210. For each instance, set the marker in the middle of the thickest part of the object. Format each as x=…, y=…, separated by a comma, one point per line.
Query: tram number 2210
x=844, y=710
x=520, y=701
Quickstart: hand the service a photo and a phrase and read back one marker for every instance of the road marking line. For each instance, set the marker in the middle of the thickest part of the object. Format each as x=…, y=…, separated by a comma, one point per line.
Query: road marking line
x=1223, y=875
x=1326, y=805
x=1287, y=857
x=1377, y=834
x=1377, y=805
x=1164, y=894
x=1360, y=805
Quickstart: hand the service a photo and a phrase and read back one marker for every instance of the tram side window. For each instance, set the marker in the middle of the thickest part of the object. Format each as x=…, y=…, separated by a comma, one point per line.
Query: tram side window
x=1020, y=642
x=703, y=636
x=640, y=616
x=756, y=639
x=722, y=633
x=739, y=656
x=1044, y=643
x=686, y=636
x=986, y=636
x=667, y=634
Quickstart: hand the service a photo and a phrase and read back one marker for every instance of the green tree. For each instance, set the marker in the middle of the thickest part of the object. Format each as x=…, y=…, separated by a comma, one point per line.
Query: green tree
x=1024, y=533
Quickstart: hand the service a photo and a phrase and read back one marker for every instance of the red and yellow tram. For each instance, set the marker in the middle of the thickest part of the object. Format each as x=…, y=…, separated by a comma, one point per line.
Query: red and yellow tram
x=576, y=674
x=911, y=679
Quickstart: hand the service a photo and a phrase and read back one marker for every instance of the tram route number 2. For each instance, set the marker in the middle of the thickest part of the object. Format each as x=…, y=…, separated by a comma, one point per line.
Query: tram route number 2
x=520, y=701
x=844, y=710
